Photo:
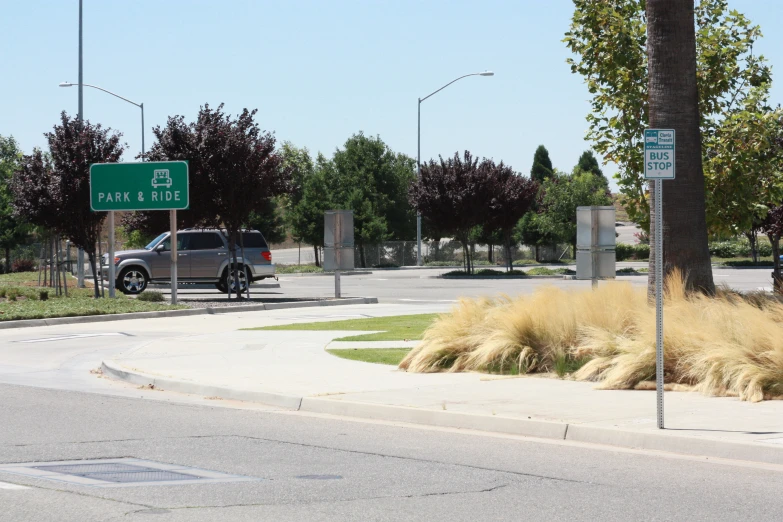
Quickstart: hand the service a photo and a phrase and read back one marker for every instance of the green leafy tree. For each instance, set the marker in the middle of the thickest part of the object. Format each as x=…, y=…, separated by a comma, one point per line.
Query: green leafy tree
x=561, y=195
x=609, y=39
x=533, y=230
x=744, y=167
x=773, y=227
x=13, y=230
x=589, y=163
x=306, y=216
x=373, y=181
x=268, y=219
x=542, y=165
x=299, y=162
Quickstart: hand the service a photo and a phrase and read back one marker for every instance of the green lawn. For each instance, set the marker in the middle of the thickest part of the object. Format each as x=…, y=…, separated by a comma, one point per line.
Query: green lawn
x=394, y=328
x=298, y=269
x=392, y=356
x=20, y=298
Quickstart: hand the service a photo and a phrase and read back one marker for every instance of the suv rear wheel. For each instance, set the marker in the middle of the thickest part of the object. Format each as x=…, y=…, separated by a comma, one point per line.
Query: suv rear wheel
x=223, y=284
x=132, y=280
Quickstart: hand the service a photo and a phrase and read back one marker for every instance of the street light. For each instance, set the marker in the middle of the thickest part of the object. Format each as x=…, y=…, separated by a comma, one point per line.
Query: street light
x=112, y=275
x=139, y=105
x=418, y=157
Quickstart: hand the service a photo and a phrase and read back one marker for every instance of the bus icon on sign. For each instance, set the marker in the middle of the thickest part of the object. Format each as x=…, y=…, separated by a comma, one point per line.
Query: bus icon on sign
x=160, y=178
x=651, y=138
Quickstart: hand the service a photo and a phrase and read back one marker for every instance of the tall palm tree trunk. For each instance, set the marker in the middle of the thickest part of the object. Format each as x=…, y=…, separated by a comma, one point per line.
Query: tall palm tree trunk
x=674, y=104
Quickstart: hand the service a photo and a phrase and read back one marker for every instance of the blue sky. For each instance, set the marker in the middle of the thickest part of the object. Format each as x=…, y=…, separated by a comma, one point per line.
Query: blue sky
x=318, y=71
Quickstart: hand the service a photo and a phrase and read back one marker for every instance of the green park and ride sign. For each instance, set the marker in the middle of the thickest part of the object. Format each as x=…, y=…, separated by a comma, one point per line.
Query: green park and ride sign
x=156, y=185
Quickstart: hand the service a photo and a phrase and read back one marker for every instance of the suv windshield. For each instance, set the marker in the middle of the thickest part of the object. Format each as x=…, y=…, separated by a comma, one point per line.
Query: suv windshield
x=154, y=242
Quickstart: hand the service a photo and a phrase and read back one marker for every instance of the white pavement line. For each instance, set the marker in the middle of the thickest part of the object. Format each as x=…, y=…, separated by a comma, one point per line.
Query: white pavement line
x=74, y=336
x=7, y=485
x=430, y=300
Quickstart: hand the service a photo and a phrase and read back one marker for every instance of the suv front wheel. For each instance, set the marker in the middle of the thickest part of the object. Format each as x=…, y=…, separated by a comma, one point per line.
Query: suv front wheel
x=132, y=280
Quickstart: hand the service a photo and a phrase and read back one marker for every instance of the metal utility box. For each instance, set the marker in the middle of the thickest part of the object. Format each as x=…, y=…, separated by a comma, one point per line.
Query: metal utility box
x=595, y=243
x=338, y=240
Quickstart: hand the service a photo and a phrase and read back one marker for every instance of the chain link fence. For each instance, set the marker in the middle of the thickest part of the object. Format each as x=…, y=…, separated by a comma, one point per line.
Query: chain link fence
x=450, y=253
x=435, y=253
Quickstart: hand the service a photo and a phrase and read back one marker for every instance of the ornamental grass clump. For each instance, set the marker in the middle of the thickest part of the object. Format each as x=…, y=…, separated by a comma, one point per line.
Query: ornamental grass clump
x=729, y=345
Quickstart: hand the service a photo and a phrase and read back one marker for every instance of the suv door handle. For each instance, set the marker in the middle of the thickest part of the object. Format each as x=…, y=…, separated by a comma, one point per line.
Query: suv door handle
x=221, y=253
x=182, y=255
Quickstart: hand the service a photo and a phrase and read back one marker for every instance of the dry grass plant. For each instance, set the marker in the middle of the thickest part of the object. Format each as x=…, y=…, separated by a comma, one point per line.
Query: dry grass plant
x=729, y=345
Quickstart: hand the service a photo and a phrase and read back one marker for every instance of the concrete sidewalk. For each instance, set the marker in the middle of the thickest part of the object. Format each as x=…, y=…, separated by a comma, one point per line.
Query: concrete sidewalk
x=291, y=369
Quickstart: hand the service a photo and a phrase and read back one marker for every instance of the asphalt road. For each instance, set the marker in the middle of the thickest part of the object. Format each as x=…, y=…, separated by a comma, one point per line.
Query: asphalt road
x=312, y=468
x=308, y=467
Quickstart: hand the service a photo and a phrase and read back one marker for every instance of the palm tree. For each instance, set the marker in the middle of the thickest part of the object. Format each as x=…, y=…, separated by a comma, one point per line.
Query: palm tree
x=674, y=104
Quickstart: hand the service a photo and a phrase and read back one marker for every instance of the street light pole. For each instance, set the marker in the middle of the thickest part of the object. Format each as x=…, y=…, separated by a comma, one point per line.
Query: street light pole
x=79, y=117
x=419, y=260
x=112, y=275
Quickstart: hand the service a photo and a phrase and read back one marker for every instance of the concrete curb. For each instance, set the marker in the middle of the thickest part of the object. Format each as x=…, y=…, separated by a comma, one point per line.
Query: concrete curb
x=634, y=439
x=472, y=277
x=448, y=419
x=28, y=323
x=331, y=274
x=288, y=402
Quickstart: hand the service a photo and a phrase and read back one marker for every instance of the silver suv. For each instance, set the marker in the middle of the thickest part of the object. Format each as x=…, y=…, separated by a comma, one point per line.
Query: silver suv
x=202, y=257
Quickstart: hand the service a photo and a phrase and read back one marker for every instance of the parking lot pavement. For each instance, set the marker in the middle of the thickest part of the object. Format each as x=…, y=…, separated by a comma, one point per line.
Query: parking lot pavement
x=423, y=286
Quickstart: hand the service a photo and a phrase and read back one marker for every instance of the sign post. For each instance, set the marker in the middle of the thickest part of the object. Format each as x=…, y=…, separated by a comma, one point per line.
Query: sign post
x=155, y=185
x=659, y=165
x=338, y=244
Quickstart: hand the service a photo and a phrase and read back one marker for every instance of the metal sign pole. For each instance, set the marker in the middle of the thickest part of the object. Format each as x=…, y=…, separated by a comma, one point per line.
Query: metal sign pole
x=338, y=243
x=173, y=225
x=112, y=268
x=594, y=245
x=659, y=297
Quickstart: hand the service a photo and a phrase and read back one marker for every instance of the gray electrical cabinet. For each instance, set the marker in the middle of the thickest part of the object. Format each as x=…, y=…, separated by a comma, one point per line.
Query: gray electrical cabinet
x=338, y=240
x=595, y=243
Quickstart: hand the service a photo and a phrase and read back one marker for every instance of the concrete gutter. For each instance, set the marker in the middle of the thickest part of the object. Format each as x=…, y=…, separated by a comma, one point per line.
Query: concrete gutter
x=635, y=439
x=28, y=323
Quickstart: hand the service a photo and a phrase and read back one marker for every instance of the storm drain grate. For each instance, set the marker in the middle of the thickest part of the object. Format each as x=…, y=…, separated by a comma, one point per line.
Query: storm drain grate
x=119, y=472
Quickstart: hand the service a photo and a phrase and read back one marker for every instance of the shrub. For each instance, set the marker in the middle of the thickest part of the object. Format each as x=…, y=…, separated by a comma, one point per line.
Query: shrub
x=746, y=262
x=43, y=295
x=12, y=294
x=489, y=272
x=22, y=265
x=386, y=265
x=730, y=344
x=740, y=247
x=455, y=273
x=624, y=251
x=151, y=297
x=3, y=291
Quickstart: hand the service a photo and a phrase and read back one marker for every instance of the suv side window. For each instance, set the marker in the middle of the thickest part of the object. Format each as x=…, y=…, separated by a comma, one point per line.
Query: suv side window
x=205, y=241
x=183, y=242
